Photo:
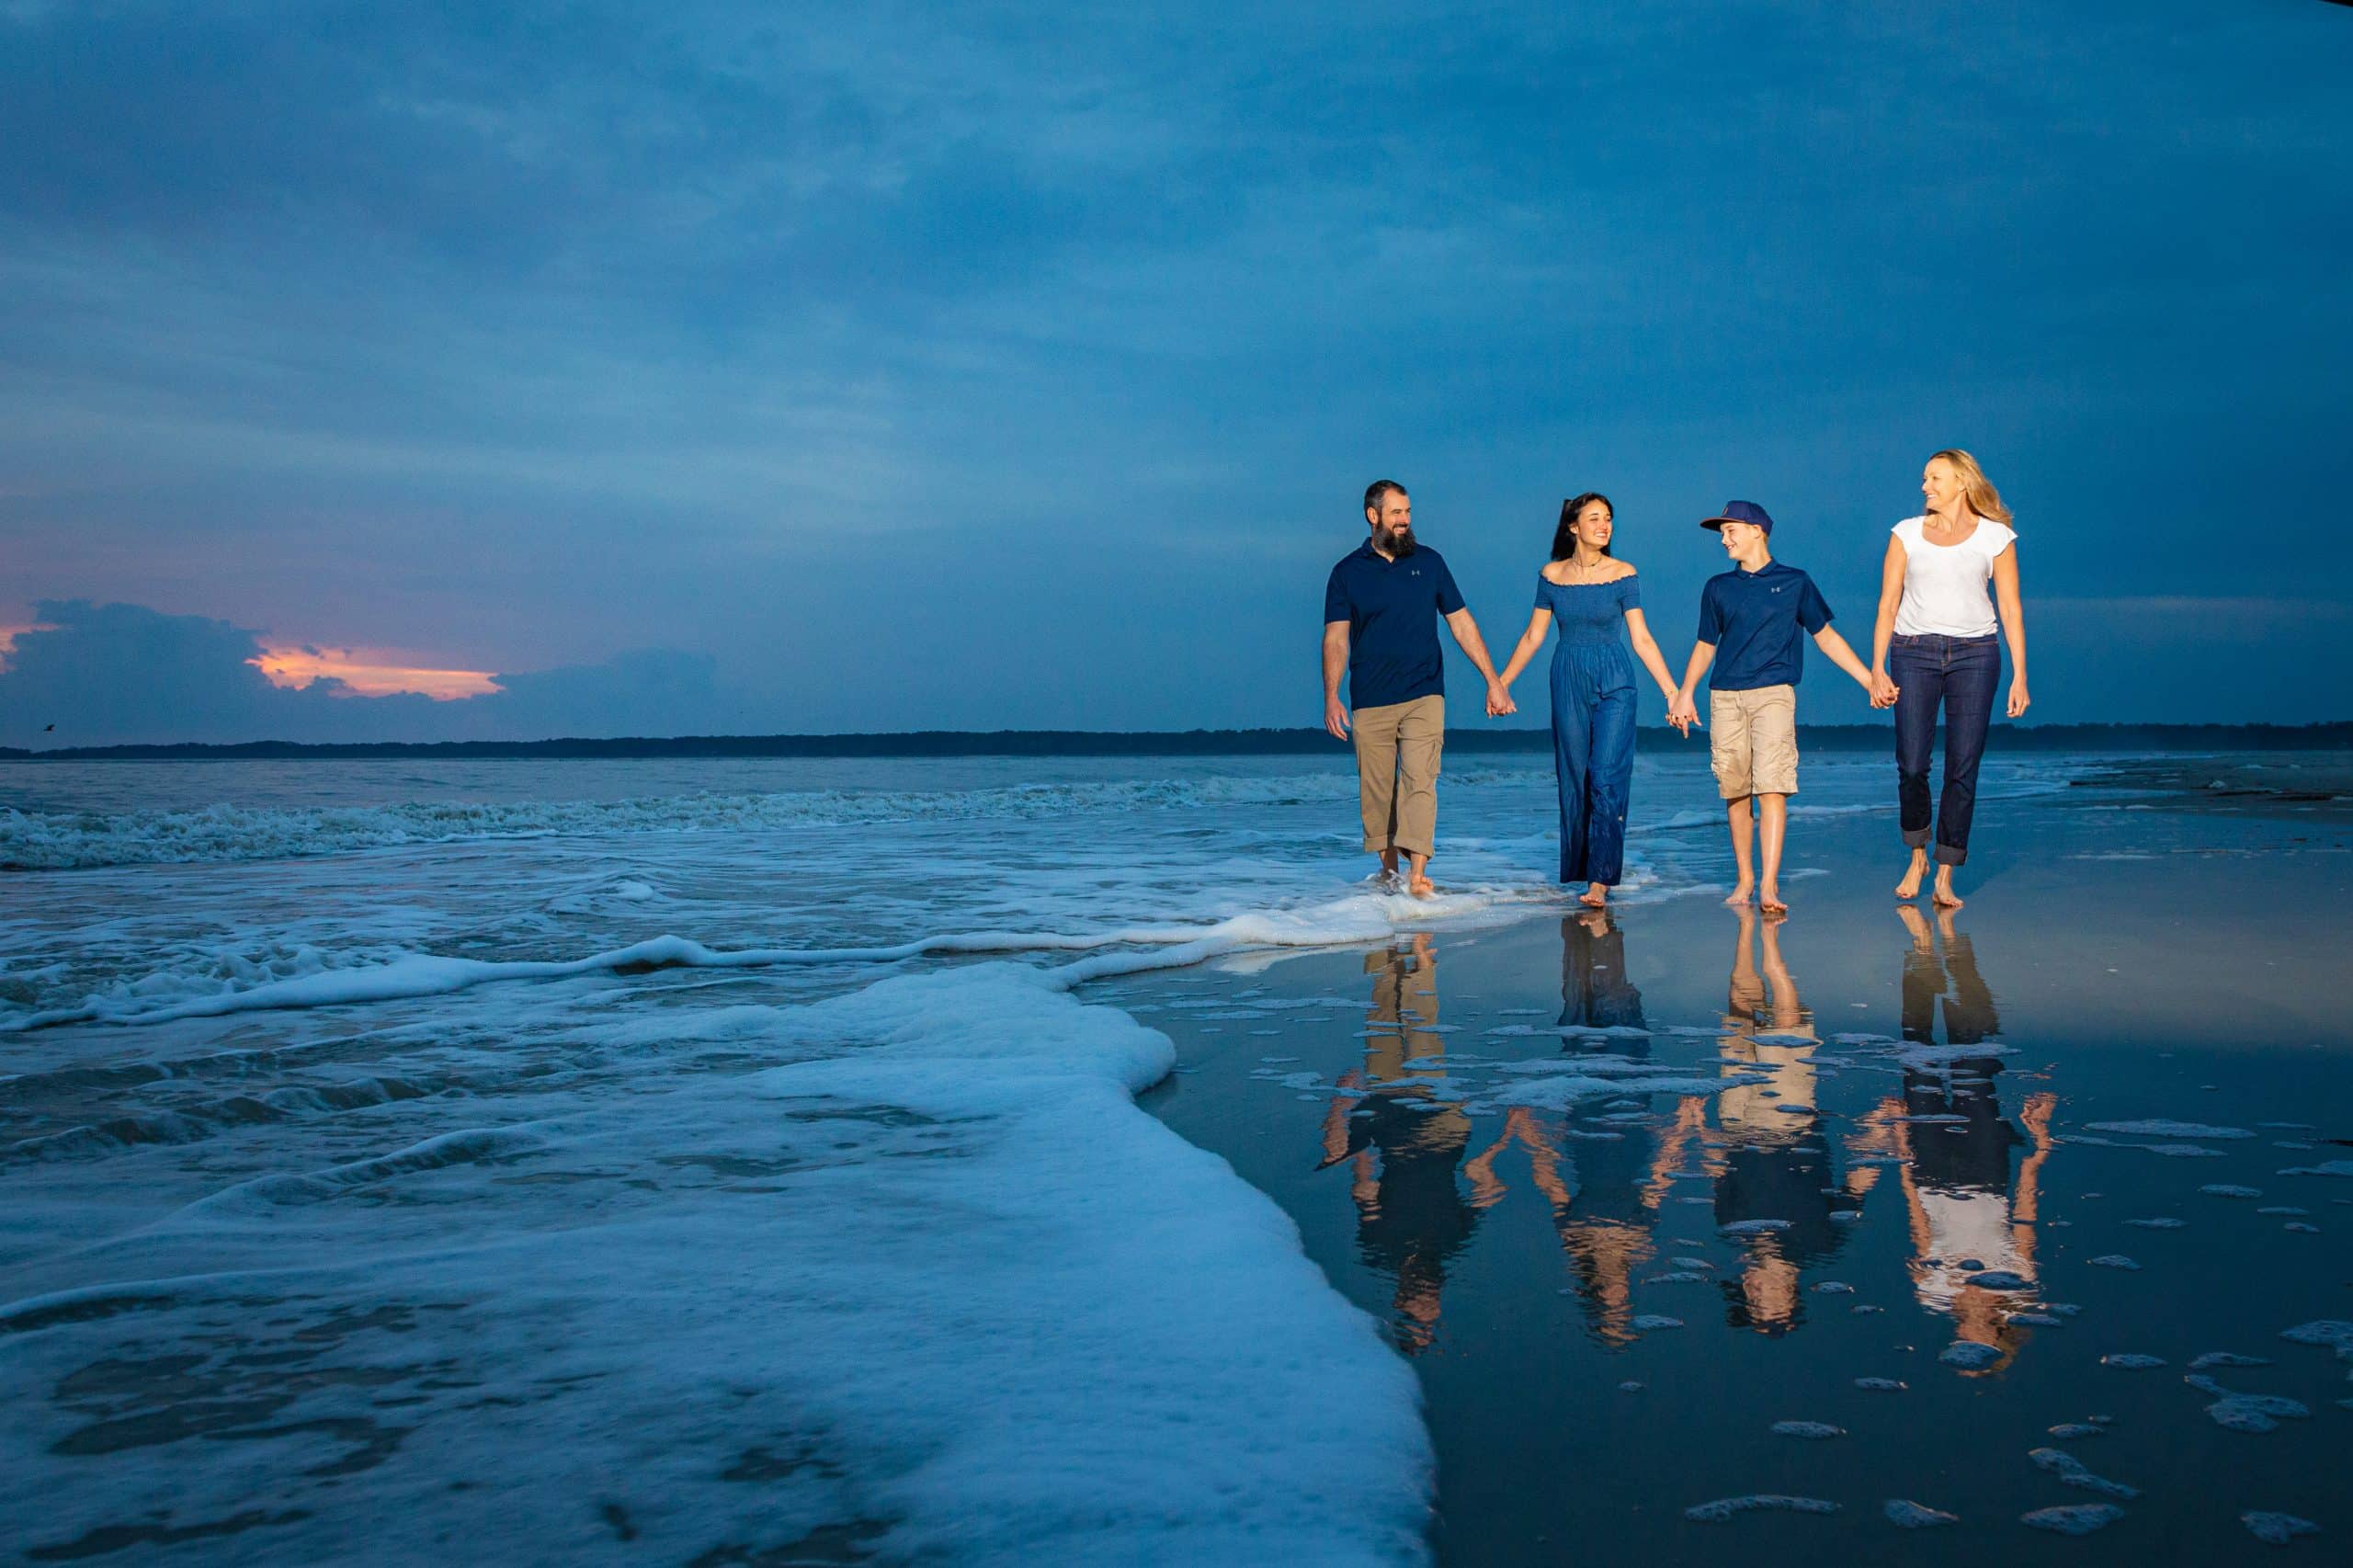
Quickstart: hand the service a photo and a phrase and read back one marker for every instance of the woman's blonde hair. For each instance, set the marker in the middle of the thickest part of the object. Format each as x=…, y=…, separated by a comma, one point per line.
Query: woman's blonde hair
x=1983, y=499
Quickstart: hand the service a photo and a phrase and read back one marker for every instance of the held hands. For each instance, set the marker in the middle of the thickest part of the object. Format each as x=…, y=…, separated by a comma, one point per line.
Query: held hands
x=1883, y=689
x=1336, y=717
x=2018, y=698
x=1499, y=700
x=1682, y=712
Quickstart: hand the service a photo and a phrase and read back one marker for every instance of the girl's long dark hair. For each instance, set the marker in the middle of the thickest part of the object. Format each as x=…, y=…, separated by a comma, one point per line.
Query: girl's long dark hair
x=1565, y=538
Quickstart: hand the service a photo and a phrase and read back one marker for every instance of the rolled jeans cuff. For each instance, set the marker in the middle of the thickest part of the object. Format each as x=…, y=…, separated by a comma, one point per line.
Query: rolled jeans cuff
x=1948, y=856
x=1916, y=837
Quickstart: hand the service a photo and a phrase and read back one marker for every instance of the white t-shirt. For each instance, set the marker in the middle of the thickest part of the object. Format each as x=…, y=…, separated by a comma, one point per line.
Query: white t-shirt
x=1945, y=585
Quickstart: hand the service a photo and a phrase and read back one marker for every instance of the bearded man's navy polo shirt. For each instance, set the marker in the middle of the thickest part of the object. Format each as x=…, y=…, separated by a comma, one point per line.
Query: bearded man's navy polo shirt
x=1392, y=608
x=1757, y=622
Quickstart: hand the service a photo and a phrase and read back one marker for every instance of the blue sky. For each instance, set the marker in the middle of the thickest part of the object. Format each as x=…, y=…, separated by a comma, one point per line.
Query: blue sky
x=977, y=366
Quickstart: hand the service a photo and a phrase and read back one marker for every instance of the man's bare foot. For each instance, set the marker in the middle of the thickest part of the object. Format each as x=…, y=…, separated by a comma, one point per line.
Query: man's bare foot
x=1910, y=886
x=1421, y=886
x=1739, y=894
x=1946, y=898
x=1594, y=896
x=1769, y=899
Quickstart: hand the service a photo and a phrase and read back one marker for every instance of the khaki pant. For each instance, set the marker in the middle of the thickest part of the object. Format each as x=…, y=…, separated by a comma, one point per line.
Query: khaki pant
x=1397, y=749
x=1753, y=741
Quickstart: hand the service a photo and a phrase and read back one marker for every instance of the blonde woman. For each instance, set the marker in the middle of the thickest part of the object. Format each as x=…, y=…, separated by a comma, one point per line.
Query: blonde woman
x=1936, y=644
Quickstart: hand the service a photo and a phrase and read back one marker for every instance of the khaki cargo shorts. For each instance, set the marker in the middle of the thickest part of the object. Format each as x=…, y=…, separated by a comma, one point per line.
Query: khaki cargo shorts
x=1753, y=741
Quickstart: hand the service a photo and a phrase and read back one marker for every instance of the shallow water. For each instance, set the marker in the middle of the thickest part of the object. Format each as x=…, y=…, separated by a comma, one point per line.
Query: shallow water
x=332, y=1215
x=1877, y=1253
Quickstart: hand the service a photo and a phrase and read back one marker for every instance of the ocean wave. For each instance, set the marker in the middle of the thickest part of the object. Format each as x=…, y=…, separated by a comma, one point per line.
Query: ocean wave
x=86, y=840
x=163, y=997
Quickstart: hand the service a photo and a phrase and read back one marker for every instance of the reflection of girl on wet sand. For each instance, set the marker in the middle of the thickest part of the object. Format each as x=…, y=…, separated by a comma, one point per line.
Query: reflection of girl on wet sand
x=1960, y=1200
x=1605, y=1198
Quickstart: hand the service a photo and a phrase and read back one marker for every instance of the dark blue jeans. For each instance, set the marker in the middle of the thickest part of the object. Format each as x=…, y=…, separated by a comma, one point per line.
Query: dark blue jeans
x=1960, y=673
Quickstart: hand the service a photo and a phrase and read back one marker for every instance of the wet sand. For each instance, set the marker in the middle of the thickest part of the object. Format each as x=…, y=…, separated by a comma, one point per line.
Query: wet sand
x=1611, y=1301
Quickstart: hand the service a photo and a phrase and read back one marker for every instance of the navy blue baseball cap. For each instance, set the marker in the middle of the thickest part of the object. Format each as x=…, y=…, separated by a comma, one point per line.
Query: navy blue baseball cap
x=1740, y=512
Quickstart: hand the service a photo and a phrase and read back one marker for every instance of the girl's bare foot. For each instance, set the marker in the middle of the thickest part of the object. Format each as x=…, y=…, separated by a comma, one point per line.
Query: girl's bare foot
x=1739, y=894
x=1910, y=886
x=1594, y=896
x=1769, y=899
x=1946, y=898
x=1421, y=886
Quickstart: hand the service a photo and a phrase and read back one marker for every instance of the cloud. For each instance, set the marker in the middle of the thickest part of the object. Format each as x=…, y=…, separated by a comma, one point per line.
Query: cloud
x=121, y=674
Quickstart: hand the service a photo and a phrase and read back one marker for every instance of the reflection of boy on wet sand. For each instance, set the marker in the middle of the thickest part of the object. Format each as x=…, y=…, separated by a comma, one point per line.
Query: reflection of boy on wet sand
x=1411, y=1219
x=1774, y=1167
x=1958, y=1195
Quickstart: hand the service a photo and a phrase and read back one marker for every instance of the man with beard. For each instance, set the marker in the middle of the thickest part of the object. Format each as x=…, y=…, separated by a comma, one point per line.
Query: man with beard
x=1378, y=610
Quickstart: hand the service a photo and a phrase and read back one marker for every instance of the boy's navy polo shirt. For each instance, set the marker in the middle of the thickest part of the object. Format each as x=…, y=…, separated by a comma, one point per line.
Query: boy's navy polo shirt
x=1759, y=623
x=1392, y=608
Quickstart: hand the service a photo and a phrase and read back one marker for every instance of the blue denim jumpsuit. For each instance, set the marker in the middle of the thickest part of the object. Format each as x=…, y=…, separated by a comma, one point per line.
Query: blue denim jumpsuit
x=1593, y=722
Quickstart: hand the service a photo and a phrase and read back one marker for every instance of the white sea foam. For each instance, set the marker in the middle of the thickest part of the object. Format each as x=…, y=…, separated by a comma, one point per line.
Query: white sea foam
x=939, y=1289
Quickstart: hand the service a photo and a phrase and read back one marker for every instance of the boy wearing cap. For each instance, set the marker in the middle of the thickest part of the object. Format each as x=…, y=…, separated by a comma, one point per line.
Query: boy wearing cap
x=1753, y=616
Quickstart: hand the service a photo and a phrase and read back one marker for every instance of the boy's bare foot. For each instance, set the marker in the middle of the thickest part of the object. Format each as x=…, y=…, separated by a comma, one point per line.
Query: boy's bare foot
x=1946, y=898
x=1595, y=895
x=1769, y=899
x=1910, y=886
x=1739, y=894
x=1421, y=886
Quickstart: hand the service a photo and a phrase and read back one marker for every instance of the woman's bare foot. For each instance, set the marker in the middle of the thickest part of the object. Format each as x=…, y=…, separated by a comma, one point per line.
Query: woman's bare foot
x=1421, y=886
x=1769, y=899
x=1946, y=898
x=1596, y=896
x=1910, y=886
x=1739, y=894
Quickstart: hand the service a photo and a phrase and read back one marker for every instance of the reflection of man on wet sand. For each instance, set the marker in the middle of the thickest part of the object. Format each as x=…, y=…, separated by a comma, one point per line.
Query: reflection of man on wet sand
x=1958, y=1194
x=1411, y=1219
x=1775, y=1167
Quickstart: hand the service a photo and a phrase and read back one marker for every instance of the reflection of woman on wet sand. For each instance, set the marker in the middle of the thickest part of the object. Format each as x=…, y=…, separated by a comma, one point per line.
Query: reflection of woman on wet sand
x=1960, y=1202
x=1411, y=1219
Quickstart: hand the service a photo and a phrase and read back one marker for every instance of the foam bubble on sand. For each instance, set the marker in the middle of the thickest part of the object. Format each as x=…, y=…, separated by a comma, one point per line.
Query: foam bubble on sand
x=2160, y=1223
x=1676, y=1277
x=1834, y=1288
x=2157, y=1127
x=2253, y=1412
x=2132, y=1360
x=1907, y=1515
x=2334, y=1332
x=2325, y=1168
x=1754, y=1227
x=1883, y=1385
x=1723, y=1508
x=2230, y=1189
x=2000, y=1279
x=1647, y=1321
x=2077, y=1518
x=1816, y=1429
x=2300, y=1228
x=2226, y=1358
x=1970, y=1356
x=2281, y=1208
x=2113, y=1260
x=2071, y=1430
x=2070, y=1471
x=2275, y=1530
